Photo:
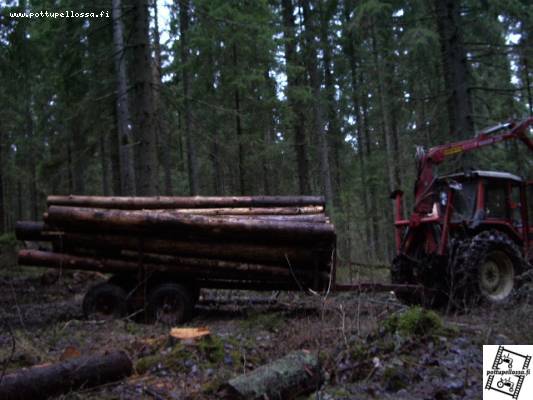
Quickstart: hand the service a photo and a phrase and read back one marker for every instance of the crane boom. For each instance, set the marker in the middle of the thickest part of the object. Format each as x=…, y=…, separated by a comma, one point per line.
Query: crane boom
x=437, y=155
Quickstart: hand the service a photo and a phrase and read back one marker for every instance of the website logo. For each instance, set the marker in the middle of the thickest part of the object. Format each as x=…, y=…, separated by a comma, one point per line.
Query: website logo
x=506, y=372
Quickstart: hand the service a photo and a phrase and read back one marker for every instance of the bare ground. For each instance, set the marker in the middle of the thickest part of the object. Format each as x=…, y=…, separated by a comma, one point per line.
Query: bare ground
x=362, y=356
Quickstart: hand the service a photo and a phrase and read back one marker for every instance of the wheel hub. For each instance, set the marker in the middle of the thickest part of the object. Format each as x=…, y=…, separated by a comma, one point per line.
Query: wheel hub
x=169, y=310
x=496, y=276
x=490, y=275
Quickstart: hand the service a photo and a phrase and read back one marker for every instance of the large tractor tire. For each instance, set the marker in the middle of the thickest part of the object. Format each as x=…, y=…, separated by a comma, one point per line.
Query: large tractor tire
x=490, y=265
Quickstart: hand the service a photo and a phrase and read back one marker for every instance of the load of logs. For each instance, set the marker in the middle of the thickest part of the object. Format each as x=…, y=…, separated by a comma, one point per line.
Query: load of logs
x=262, y=242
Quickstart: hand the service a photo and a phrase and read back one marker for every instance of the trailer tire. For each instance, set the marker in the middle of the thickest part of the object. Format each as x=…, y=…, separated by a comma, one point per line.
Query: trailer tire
x=105, y=301
x=170, y=304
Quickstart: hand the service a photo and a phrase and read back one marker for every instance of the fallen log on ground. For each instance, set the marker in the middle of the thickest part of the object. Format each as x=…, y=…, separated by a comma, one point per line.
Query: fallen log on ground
x=138, y=203
x=294, y=375
x=44, y=381
x=187, y=225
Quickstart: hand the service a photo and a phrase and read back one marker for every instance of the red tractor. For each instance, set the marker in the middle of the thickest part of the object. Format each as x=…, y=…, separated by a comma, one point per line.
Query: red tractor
x=470, y=235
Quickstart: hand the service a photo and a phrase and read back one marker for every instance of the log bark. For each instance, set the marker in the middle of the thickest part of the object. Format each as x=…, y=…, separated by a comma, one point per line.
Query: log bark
x=231, y=251
x=164, y=202
x=260, y=211
x=294, y=375
x=188, y=225
x=193, y=268
x=318, y=219
x=30, y=230
x=44, y=381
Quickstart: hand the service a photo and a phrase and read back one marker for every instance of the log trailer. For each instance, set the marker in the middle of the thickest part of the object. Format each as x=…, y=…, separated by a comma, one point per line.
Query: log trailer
x=160, y=251
x=470, y=235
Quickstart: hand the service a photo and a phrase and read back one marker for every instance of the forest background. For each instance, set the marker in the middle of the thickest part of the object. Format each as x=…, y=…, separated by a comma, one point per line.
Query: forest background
x=255, y=97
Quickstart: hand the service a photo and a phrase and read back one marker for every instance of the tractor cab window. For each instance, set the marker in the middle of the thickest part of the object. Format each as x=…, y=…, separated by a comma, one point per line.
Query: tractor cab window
x=464, y=201
x=495, y=201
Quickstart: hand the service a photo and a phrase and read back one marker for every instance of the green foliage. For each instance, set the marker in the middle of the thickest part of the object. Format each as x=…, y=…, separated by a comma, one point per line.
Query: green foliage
x=173, y=359
x=212, y=347
x=263, y=321
x=416, y=321
x=8, y=240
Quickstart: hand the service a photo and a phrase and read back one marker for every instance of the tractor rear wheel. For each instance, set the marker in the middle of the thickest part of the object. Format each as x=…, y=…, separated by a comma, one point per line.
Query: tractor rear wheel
x=492, y=261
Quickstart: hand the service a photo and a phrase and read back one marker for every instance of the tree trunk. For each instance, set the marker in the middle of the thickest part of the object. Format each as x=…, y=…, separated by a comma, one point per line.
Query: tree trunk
x=360, y=134
x=123, y=119
x=163, y=132
x=20, y=206
x=456, y=72
x=192, y=161
x=50, y=380
x=294, y=80
x=526, y=42
x=296, y=374
x=335, y=138
x=104, y=166
x=318, y=108
x=2, y=199
x=371, y=192
x=34, y=195
x=379, y=67
x=114, y=156
x=238, y=128
x=144, y=118
x=268, y=136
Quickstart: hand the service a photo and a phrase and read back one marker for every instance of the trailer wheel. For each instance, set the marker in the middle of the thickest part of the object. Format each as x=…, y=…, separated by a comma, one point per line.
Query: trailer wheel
x=105, y=301
x=170, y=304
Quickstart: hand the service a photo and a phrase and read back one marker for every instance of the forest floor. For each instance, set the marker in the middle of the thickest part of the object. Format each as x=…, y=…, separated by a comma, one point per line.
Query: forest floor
x=366, y=351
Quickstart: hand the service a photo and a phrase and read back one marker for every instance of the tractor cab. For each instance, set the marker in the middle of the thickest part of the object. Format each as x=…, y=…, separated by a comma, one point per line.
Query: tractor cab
x=489, y=200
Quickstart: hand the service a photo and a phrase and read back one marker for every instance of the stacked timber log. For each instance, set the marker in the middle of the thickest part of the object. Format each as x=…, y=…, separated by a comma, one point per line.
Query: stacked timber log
x=265, y=242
